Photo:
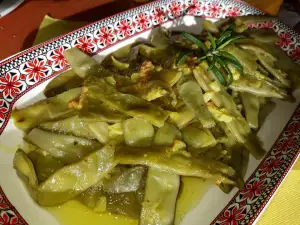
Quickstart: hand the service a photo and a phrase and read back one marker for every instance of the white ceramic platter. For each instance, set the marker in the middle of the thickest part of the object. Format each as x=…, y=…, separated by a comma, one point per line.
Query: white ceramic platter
x=24, y=76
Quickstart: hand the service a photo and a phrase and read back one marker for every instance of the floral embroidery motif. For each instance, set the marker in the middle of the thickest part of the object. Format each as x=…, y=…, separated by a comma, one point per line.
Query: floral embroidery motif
x=105, y=36
x=11, y=85
x=86, y=44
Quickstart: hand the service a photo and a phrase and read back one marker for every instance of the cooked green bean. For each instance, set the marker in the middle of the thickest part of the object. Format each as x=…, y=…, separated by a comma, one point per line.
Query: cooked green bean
x=128, y=104
x=251, y=107
x=93, y=110
x=84, y=65
x=126, y=204
x=149, y=91
x=69, y=181
x=246, y=58
x=155, y=54
x=100, y=131
x=62, y=83
x=159, y=38
x=210, y=27
x=72, y=125
x=177, y=164
x=126, y=180
x=160, y=198
x=45, y=110
x=182, y=117
x=192, y=96
x=254, y=19
x=65, y=147
x=166, y=135
x=119, y=65
x=169, y=76
x=198, y=138
x=45, y=164
x=239, y=161
x=255, y=87
x=94, y=198
x=174, y=105
x=138, y=132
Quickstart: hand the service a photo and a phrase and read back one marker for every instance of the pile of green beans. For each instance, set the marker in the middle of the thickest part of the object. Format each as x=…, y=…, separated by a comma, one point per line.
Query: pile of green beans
x=118, y=135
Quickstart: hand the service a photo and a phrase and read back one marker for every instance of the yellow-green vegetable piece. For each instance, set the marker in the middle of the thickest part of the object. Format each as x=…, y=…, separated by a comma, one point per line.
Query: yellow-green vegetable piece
x=126, y=204
x=268, y=36
x=69, y=181
x=84, y=65
x=138, y=132
x=72, y=125
x=166, y=135
x=167, y=75
x=227, y=102
x=93, y=196
x=126, y=103
x=198, y=138
x=45, y=110
x=251, y=107
x=174, y=163
x=76, y=178
x=285, y=63
x=159, y=38
x=122, y=81
x=115, y=132
x=220, y=114
x=44, y=164
x=28, y=147
x=62, y=83
x=123, y=51
x=199, y=75
x=151, y=53
x=269, y=62
x=253, y=19
x=245, y=57
x=242, y=133
x=182, y=117
x=237, y=124
x=65, y=147
x=277, y=73
x=256, y=87
x=217, y=152
x=237, y=157
x=149, y=91
x=101, y=205
x=95, y=111
x=118, y=64
x=210, y=27
x=135, y=78
x=126, y=180
x=160, y=198
x=259, y=52
x=25, y=168
x=111, y=80
x=100, y=131
x=192, y=96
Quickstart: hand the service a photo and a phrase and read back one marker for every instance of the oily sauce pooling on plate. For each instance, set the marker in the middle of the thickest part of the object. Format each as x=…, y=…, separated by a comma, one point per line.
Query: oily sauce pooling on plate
x=136, y=135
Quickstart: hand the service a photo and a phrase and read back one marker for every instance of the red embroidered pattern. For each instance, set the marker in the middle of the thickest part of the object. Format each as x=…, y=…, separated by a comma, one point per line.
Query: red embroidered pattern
x=8, y=213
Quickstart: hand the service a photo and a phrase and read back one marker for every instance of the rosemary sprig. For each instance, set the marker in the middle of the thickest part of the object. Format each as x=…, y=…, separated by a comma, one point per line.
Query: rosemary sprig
x=217, y=58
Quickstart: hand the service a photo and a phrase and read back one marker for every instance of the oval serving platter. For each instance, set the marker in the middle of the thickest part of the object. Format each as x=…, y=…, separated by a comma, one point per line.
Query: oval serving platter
x=23, y=77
